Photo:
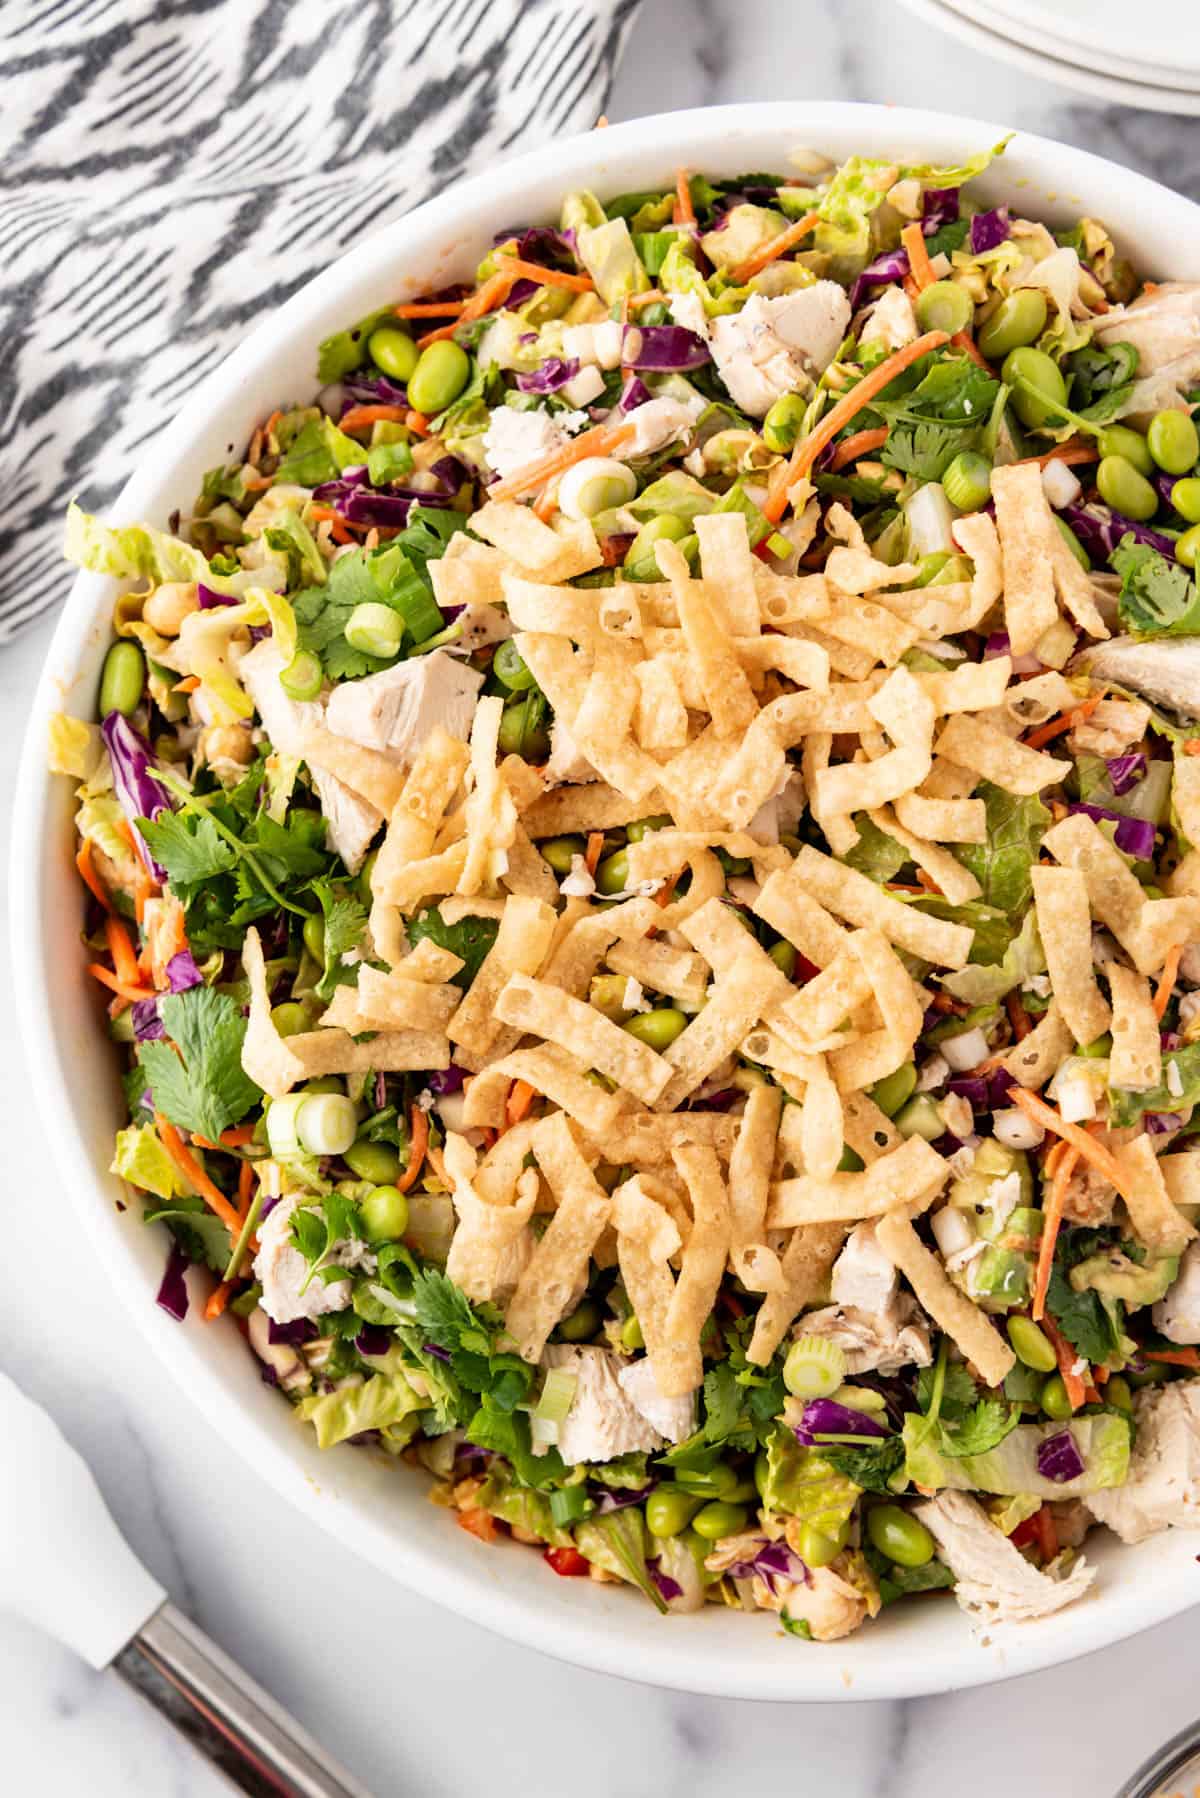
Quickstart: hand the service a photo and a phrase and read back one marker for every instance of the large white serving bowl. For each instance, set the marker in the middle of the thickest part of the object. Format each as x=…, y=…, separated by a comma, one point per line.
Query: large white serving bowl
x=381, y=1511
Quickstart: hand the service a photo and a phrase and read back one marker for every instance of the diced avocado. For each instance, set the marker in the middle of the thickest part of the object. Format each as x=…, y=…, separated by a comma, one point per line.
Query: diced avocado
x=1115, y=1276
x=999, y=1279
x=743, y=230
x=992, y=1162
x=920, y=1117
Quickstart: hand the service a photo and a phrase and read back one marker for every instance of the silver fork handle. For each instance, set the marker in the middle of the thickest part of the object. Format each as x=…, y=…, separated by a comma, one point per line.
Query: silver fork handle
x=226, y=1715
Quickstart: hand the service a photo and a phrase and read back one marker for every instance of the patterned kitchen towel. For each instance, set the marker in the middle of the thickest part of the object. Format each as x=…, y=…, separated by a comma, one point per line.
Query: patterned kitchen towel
x=172, y=169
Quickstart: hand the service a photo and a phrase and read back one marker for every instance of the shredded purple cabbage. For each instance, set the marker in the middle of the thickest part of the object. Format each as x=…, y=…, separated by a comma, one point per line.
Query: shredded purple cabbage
x=891, y=266
x=663, y=348
x=210, y=598
x=1101, y=530
x=439, y=1354
x=939, y=206
x=137, y=790
x=147, y=1024
x=825, y=1417
x=373, y=1339
x=988, y=229
x=354, y=499
x=373, y=390
x=182, y=972
x=983, y=1092
x=301, y=1329
x=998, y=644
x=666, y=1587
x=1125, y=771
x=1163, y=1123
x=1135, y=836
x=172, y=1293
x=773, y=1561
x=1058, y=1458
x=617, y=1498
x=634, y=393
x=446, y=1080
x=552, y=374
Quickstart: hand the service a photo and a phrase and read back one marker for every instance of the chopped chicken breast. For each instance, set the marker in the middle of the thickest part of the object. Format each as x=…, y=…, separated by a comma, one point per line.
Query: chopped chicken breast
x=566, y=766
x=891, y=320
x=1164, y=1471
x=603, y=1421
x=1177, y=1313
x=994, y=1581
x=282, y=1271
x=673, y=1418
x=862, y=1275
x=1163, y=325
x=514, y=439
x=773, y=347
x=396, y=709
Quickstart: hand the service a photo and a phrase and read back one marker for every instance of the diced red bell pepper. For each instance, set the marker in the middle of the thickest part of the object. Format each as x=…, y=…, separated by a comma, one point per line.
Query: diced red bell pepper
x=566, y=1561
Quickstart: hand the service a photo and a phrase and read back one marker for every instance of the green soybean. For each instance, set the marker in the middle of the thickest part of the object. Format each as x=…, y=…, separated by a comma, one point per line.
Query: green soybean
x=442, y=371
x=1117, y=1392
x=895, y=1090
x=393, y=351
x=1187, y=547
x=363, y=880
x=1185, y=497
x=817, y=1549
x=384, y=1214
x=899, y=1536
x=1054, y=1400
x=783, y=954
x=291, y=1018
x=781, y=426
x=944, y=306
x=720, y=1519
x=631, y=1334
x=640, y=554
x=1174, y=441
x=1073, y=544
x=1120, y=440
x=669, y=1509
x=612, y=874
x=122, y=679
x=1032, y=1346
x=1018, y=320
x=582, y=1324
x=967, y=483
x=638, y=829
x=1125, y=490
x=561, y=851
x=510, y=669
x=377, y=1162
x=314, y=936
x=657, y=1029
x=1025, y=369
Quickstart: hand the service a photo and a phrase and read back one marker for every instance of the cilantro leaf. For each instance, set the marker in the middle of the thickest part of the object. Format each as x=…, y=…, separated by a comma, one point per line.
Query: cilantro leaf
x=958, y=1391
x=722, y=1403
x=924, y=450
x=507, y=1433
x=984, y=1426
x=470, y=939
x=345, y=922
x=189, y=847
x=872, y=1468
x=1156, y=595
x=445, y=1314
x=1089, y=1322
x=202, y=1088
x=316, y=1230
x=201, y=1233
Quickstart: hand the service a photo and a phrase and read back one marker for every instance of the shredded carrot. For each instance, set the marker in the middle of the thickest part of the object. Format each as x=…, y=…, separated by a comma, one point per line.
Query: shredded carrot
x=430, y=309
x=546, y=277
x=245, y=1188
x=417, y=423
x=1102, y=1159
x=1076, y=1384
x=493, y=293
x=546, y=505
x=124, y=955
x=1191, y=746
x=195, y=1175
x=836, y=420
x=913, y=239
x=1183, y=1357
x=1051, y=1224
x=520, y=1098
x=863, y=443
x=1166, y=986
x=649, y=298
x=1047, y=1535
x=912, y=291
x=928, y=883
x=778, y=246
x=479, y=1523
x=257, y=483
x=107, y=978
x=1018, y=1017
x=685, y=212
x=89, y=876
x=229, y=1139
x=418, y=1149
x=1046, y=733
x=595, y=844
x=218, y=1300
x=962, y=340
x=339, y=530
x=1070, y=453
x=358, y=416
x=188, y=684
x=601, y=440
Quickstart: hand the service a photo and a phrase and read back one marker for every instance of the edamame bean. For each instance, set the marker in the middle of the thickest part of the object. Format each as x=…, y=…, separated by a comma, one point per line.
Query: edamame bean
x=657, y=1029
x=669, y=1509
x=783, y=954
x=944, y=306
x=1120, y=440
x=967, y=483
x=612, y=874
x=1187, y=547
x=122, y=679
x=1032, y=1346
x=781, y=426
x=1125, y=490
x=895, y=1090
x=817, y=1549
x=521, y=732
x=1174, y=441
x=1073, y=544
x=384, y=1214
x=314, y=936
x=1117, y=1392
x=1154, y=1373
x=560, y=852
x=1054, y=1400
x=899, y=1536
x=442, y=371
x=1026, y=369
x=720, y=1519
x=640, y=554
x=363, y=882
x=638, y=829
x=291, y=1018
x=393, y=351
x=583, y=1322
x=631, y=1334
x=1185, y=497
x=510, y=669
x=377, y=1162
x=1017, y=320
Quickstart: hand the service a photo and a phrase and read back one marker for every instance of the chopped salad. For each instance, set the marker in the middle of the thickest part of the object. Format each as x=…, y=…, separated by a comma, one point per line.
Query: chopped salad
x=643, y=855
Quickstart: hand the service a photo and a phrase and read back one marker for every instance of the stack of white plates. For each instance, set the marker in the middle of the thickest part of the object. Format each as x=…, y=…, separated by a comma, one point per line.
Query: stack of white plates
x=1136, y=52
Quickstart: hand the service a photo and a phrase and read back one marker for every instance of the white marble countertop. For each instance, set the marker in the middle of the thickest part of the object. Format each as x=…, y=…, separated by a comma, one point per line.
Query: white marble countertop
x=416, y=1701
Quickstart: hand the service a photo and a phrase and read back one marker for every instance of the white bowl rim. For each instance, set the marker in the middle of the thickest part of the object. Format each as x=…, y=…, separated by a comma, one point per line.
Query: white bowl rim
x=596, y=1630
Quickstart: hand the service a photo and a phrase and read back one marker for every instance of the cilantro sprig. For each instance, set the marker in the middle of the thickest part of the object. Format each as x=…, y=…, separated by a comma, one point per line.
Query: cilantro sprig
x=196, y=1078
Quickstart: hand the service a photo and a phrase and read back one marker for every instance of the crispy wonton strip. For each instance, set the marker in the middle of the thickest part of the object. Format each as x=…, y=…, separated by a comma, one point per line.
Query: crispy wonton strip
x=1029, y=603
x=550, y=1071
x=1065, y=927
x=492, y=1244
x=1135, y=1059
x=266, y=1057
x=805, y=1263
x=730, y=700
x=1032, y=1061
x=965, y=1324
x=647, y=1237
x=1157, y=1221
x=986, y=751
x=853, y=896
x=912, y=1173
x=679, y=1366
x=557, y=1271
x=546, y=1011
x=521, y=945
x=755, y=1265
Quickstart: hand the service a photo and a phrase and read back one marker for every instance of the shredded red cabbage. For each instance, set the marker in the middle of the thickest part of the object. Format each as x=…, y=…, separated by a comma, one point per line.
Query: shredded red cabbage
x=825, y=1417
x=891, y=266
x=1163, y=1123
x=301, y=1329
x=182, y=972
x=354, y=499
x=987, y=230
x=983, y=1092
x=552, y=374
x=1101, y=530
x=373, y=1339
x=172, y=1293
x=373, y=390
x=634, y=393
x=939, y=206
x=773, y=1561
x=1058, y=1458
x=439, y=1354
x=137, y=790
x=147, y=1024
x=616, y=1498
x=1125, y=771
x=209, y=599
x=446, y=1080
x=663, y=348
x=1135, y=836
x=666, y=1587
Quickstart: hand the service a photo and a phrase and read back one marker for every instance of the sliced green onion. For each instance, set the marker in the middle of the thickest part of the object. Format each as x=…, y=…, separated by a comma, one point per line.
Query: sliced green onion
x=244, y=1234
x=779, y=545
x=303, y=677
x=282, y=1133
x=558, y=1395
x=595, y=485
x=508, y=667
x=814, y=1367
x=570, y=1504
x=967, y=482
x=944, y=307
x=326, y=1123
x=375, y=630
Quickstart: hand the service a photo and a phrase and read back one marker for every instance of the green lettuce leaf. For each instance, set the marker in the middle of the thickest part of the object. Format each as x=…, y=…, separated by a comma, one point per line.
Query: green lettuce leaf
x=805, y=1483
x=134, y=552
x=617, y=1542
x=1011, y=1467
x=1126, y=1106
x=1001, y=864
x=384, y=1402
x=1023, y=958
x=141, y=1159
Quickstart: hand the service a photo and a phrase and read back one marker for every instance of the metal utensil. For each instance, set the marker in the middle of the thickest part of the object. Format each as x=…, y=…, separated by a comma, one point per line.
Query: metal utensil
x=1174, y=1772
x=65, y=1567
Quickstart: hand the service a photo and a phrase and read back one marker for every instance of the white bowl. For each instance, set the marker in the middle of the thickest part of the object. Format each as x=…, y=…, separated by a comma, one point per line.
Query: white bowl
x=382, y=1512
